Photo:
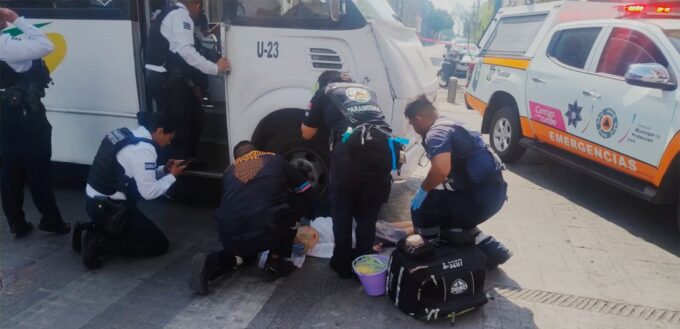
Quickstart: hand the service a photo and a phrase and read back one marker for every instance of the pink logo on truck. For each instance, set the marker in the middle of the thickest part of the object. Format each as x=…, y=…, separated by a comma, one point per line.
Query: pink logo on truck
x=547, y=115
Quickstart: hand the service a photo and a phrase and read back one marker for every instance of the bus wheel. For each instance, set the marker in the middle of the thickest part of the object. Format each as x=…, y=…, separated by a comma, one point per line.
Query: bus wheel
x=310, y=157
x=505, y=134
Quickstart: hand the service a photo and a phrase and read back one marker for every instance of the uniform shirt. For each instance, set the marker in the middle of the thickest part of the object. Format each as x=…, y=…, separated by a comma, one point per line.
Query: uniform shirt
x=178, y=28
x=19, y=52
x=440, y=139
x=323, y=112
x=257, y=185
x=139, y=162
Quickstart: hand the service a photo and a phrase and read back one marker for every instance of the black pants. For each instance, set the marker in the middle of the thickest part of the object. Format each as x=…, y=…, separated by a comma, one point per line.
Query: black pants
x=26, y=154
x=355, y=194
x=157, y=90
x=140, y=237
x=277, y=235
x=460, y=209
x=174, y=96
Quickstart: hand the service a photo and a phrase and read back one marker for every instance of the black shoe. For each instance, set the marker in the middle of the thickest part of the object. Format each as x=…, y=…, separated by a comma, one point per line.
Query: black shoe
x=496, y=253
x=21, y=230
x=91, y=242
x=204, y=268
x=343, y=270
x=60, y=228
x=276, y=268
x=77, y=234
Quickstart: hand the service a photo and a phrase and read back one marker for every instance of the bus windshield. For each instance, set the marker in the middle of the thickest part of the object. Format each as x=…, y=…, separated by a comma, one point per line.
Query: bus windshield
x=303, y=9
x=674, y=36
x=377, y=9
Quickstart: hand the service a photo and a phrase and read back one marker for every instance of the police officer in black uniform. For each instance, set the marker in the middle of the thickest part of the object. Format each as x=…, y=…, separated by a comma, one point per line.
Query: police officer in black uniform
x=124, y=171
x=26, y=139
x=357, y=188
x=170, y=56
x=464, y=186
x=263, y=199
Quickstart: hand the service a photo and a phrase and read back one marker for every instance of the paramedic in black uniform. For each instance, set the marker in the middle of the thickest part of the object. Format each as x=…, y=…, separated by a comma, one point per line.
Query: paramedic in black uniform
x=123, y=172
x=264, y=197
x=469, y=175
x=170, y=57
x=356, y=192
x=26, y=141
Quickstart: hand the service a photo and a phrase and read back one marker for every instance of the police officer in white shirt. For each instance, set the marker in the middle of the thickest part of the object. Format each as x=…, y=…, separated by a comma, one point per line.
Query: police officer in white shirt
x=170, y=54
x=25, y=133
x=124, y=171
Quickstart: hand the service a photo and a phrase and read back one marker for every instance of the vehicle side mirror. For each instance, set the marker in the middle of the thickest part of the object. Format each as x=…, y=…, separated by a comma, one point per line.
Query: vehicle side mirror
x=650, y=75
x=338, y=9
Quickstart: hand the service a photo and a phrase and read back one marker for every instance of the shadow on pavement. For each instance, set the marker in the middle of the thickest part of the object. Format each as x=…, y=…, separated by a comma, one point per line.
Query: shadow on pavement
x=653, y=223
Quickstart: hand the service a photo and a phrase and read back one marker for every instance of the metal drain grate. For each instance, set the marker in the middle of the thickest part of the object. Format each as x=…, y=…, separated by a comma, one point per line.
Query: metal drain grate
x=589, y=304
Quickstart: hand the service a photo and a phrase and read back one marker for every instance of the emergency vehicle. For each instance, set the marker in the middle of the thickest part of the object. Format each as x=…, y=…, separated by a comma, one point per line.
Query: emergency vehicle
x=276, y=58
x=593, y=85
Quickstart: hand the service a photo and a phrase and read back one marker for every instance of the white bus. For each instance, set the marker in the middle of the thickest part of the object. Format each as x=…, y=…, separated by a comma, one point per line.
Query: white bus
x=276, y=56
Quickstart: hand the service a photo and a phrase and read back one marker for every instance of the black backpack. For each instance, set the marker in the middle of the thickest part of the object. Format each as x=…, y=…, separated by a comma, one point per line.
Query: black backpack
x=444, y=284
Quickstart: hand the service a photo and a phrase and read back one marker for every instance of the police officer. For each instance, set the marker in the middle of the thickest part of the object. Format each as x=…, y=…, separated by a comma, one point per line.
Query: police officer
x=464, y=186
x=357, y=189
x=264, y=197
x=170, y=54
x=124, y=171
x=26, y=137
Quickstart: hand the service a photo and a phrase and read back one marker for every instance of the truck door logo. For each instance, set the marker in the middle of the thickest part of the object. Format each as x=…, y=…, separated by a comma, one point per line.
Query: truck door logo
x=607, y=122
x=574, y=114
x=270, y=49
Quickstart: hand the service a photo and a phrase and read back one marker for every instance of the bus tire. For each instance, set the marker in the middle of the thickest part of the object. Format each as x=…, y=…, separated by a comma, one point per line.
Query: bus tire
x=505, y=134
x=311, y=157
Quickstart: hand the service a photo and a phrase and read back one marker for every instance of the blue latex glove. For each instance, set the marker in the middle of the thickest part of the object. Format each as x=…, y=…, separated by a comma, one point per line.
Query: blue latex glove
x=418, y=199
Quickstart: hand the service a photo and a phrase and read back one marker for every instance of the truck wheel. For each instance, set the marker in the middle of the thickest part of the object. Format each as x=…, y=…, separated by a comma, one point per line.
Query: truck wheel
x=505, y=134
x=310, y=157
x=443, y=82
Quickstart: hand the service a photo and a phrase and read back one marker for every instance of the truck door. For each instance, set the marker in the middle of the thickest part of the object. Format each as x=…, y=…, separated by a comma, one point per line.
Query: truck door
x=630, y=120
x=554, y=81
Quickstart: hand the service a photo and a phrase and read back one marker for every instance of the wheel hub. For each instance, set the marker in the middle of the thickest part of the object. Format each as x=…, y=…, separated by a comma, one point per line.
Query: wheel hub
x=502, y=134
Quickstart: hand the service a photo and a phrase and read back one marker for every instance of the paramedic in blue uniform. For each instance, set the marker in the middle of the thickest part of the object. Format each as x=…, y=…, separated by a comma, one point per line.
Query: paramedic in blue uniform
x=356, y=192
x=123, y=172
x=170, y=56
x=26, y=136
x=464, y=186
x=264, y=197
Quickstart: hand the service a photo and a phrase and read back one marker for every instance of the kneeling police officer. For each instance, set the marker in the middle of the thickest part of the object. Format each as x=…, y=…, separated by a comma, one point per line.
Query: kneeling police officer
x=124, y=171
x=26, y=135
x=470, y=177
x=263, y=199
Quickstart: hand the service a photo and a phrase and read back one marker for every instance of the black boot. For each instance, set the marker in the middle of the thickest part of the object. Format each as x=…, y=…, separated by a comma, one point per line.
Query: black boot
x=342, y=268
x=92, y=241
x=496, y=253
x=208, y=267
x=58, y=228
x=77, y=234
x=21, y=230
x=277, y=267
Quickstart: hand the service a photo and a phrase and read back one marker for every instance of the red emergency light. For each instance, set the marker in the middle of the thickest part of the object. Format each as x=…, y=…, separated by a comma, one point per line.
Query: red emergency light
x=648, y=9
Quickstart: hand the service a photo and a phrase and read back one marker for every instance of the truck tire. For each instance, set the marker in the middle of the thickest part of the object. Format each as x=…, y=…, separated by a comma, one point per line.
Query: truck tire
x=311, y=157
x=505, y=134
x=443, y=82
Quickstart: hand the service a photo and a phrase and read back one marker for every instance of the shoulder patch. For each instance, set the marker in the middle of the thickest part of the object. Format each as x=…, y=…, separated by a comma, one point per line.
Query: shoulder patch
x=150, y=165
x=187, y=26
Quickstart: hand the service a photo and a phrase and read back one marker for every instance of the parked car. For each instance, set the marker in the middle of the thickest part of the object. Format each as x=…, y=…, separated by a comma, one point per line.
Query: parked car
x=593, y=85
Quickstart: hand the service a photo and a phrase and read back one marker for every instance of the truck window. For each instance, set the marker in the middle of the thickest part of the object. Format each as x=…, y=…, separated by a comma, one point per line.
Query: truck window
x=514, y=35
x=302, y=9
x=571, y=47
x=625, y=47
